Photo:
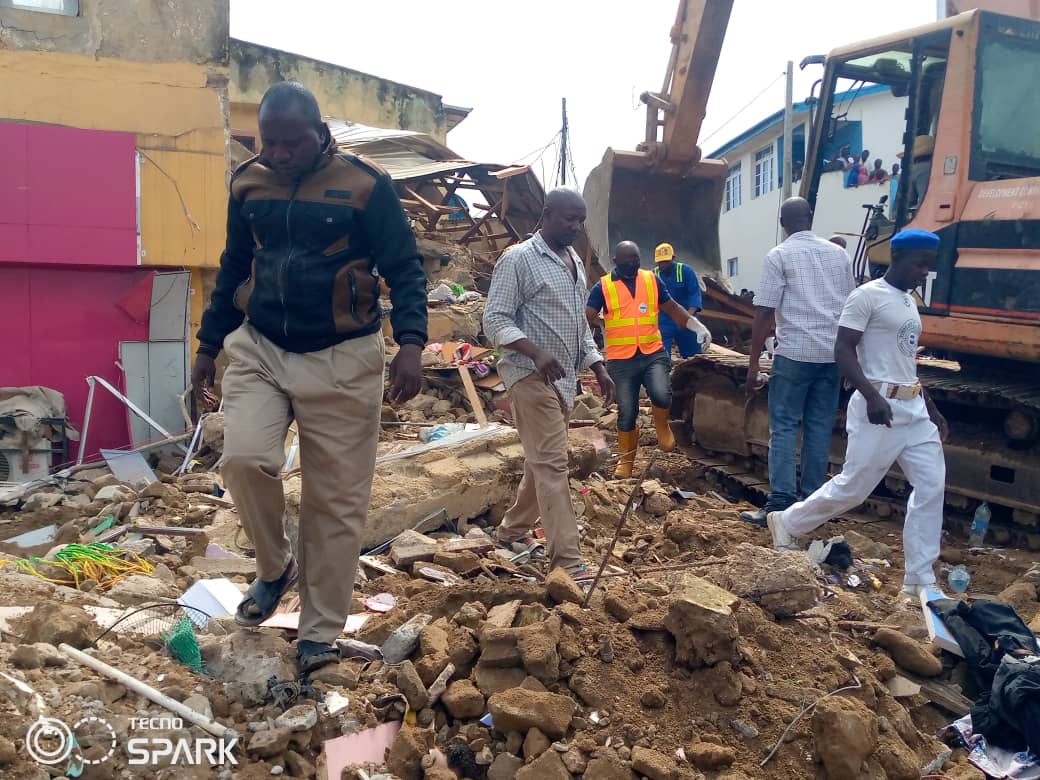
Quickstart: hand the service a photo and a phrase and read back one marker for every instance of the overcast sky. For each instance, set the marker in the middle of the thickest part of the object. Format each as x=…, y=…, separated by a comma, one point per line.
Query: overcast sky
x=512, y=62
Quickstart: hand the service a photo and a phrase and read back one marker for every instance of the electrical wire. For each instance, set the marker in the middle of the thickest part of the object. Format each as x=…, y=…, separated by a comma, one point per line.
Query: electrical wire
x=746, y=106
x=539, y=151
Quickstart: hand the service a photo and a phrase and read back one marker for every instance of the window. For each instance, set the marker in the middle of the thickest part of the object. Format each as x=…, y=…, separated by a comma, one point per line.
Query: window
x=1004, y=146
x=733, y=187
x=765, y=171
x=63, y=7
x=733, y=266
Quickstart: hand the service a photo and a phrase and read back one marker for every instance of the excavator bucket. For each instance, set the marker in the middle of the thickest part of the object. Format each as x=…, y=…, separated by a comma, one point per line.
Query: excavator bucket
x=628, y=200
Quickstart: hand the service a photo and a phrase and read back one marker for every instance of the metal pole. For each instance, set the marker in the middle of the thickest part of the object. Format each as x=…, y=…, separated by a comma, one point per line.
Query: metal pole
x=86, y=422
x=563, y=146
x=788, y=172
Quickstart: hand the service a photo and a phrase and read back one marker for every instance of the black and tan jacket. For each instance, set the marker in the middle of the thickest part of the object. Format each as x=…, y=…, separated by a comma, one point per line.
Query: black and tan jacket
x=303, y=257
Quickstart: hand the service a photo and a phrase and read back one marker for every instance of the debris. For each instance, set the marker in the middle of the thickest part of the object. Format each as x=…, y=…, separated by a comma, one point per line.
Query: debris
x=561, y=588
x=150, y=693
x=57, y=624
x=710, y=756
x=781, y=582
x=365, y=747
x=210, y=598
x=700, y=617
x=656, y=766
x=518, y=709
x=844, y=733
x=403, y=641
x=908, y=653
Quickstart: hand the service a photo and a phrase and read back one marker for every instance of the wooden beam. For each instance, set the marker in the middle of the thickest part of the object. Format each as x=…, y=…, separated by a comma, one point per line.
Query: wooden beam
x=469, y=234
x=474, y=399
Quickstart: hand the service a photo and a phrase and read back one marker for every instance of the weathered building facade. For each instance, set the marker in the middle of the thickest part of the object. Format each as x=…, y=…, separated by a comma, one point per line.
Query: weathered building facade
x=113, y=137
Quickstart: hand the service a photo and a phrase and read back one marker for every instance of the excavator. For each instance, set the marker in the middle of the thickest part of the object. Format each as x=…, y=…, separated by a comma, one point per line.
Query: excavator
x=972, y=175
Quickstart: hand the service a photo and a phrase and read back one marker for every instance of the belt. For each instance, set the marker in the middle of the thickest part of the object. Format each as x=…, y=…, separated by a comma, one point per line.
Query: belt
x=898, y=392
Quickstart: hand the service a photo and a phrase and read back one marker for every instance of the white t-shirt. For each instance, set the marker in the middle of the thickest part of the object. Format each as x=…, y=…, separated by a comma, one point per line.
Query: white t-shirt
x=888, y=319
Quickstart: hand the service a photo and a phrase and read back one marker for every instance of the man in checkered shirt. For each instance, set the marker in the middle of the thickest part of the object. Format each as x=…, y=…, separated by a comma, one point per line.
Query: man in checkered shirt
x=805, y=281
x=535, y=315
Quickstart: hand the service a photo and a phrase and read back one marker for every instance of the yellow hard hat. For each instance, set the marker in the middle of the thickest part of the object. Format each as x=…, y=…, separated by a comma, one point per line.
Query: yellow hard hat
x=663, y=253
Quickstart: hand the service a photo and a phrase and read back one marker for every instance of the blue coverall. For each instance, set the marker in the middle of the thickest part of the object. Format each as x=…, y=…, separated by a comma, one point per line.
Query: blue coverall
x=684, y=288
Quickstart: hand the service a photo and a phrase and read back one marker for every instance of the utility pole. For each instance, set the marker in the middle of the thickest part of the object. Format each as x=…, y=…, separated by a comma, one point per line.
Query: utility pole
x=563, y=146
x=787, y=172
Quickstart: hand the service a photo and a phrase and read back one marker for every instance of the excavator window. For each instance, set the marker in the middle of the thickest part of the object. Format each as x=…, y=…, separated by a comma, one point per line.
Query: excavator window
x=1005, y=141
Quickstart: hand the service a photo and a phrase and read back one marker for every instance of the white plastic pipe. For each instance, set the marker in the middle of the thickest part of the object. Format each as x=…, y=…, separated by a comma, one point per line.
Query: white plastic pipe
x=150, y=693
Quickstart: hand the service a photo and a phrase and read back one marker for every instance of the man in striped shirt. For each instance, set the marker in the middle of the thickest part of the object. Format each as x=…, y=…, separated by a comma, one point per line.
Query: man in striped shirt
x=535, y=315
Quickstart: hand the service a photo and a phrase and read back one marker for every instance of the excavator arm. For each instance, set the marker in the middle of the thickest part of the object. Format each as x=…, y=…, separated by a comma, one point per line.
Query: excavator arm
x=664, y=191
x=678, y=110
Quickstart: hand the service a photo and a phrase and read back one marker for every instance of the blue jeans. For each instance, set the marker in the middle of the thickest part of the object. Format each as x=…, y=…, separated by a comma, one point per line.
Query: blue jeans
x=649, y=371
x=805, y=393
x=685, y=339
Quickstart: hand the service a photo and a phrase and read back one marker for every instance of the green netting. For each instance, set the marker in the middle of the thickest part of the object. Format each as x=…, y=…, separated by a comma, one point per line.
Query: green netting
x=180, y=641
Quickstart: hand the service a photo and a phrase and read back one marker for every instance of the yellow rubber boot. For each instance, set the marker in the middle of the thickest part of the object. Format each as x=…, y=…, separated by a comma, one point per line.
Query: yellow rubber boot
x=628, y=441
x=665, y=437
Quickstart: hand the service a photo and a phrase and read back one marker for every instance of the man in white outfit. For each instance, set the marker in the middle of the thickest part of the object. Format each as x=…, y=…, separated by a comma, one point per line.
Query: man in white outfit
x=890, y=419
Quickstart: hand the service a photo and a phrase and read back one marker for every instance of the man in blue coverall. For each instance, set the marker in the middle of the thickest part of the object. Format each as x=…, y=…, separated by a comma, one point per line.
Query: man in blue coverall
x=685, y=290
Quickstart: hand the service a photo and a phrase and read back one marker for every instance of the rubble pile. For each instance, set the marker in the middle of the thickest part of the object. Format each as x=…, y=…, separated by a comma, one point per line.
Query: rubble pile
x=696, y=653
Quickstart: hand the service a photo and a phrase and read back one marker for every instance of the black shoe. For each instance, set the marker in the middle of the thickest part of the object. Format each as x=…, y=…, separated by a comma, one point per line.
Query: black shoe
x=758, y=517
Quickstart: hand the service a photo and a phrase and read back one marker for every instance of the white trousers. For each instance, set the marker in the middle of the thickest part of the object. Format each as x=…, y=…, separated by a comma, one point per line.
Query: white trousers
x=912, y=442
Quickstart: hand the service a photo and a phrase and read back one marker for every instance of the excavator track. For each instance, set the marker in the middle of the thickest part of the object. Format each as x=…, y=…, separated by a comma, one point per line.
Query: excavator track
x=992, y=454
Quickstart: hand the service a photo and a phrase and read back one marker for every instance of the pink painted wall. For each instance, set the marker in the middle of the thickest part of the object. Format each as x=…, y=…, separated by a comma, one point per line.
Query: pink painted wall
x=67, y=196
x=64, y=324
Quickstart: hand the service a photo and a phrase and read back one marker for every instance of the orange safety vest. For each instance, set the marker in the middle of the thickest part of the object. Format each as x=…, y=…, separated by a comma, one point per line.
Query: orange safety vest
x=631, y=321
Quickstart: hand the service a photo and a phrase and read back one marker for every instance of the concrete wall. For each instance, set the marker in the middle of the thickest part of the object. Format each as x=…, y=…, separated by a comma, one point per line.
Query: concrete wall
x=153, y=68
x=749, y=231
x=144, y=30
x=342, y=93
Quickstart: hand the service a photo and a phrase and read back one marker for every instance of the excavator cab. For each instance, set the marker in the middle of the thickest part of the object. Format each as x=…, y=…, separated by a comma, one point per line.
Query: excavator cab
x=970, y=172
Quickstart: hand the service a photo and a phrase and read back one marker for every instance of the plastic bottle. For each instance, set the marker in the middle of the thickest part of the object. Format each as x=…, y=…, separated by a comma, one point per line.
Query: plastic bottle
x=980, y=524
x=959, y=579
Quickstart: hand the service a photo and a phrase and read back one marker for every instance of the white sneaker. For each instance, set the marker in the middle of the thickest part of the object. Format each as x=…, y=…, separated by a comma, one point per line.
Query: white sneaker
x=782, y=539
x=914, y=591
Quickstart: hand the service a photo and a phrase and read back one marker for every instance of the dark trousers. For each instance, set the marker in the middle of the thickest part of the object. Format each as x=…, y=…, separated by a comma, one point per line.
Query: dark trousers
x=649, y=371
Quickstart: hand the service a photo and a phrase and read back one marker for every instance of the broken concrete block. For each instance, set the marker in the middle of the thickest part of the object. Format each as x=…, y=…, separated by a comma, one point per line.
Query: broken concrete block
x=652, y=764
x=142, y=588
x=780, y=581
x=492, y=679
x=908, y=653
x=56, y=623
x=606, y=769
x=700, y=617
x=407, y=751
x=548, y=766
x=520, y=710
x=844, y=732
x=245, y=661
x=38, y=501
x=709, y=756
x=268, y=743
x=411, y=686
x=225, y=567
x=463, y=701
x=561, y=587
x=411, y=547
x=302, y=717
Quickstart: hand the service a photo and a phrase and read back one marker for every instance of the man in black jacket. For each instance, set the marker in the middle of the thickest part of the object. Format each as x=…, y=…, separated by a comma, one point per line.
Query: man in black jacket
x=296, y=306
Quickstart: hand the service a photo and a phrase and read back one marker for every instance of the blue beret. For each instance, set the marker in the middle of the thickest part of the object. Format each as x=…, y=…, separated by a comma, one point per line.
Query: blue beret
x=915, y=238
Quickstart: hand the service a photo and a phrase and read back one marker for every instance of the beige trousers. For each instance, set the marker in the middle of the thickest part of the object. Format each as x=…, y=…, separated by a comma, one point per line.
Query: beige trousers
x=541, y=420
x=335, y=396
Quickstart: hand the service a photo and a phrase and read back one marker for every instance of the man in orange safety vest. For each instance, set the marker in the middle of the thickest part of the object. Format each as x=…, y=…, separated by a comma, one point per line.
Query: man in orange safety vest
x=630, y=299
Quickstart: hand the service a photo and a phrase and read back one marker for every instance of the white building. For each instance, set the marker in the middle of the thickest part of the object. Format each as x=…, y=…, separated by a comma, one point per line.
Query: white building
x=872, y=119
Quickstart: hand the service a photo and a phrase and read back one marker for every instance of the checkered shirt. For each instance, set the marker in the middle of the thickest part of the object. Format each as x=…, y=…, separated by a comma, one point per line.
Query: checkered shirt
x=533, y=296
x=806, y=279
